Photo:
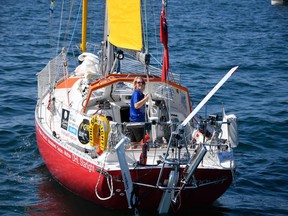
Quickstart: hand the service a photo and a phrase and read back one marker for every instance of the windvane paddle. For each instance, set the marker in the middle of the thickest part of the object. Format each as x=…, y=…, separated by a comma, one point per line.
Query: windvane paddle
x=208, y=96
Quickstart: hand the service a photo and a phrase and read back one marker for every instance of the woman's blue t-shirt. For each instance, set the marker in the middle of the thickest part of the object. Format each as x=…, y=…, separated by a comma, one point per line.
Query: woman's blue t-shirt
x=137, y=115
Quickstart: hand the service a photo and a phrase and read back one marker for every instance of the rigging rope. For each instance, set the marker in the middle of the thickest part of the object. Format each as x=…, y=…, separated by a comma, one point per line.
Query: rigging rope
x=146, y=47
x=79, y=11
x=155, y=32
x=68, y=23
x=60, y=26
x=146, y=39
x=51, y=8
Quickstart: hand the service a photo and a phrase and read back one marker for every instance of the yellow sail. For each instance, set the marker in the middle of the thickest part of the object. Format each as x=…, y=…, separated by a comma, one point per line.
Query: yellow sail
x=124, y=20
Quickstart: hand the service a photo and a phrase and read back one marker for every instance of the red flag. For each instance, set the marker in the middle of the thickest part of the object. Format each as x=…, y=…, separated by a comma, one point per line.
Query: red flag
x=164, y=40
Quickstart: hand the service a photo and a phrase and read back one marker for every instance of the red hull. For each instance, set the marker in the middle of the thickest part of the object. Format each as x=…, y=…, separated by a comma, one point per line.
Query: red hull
x=81, y=177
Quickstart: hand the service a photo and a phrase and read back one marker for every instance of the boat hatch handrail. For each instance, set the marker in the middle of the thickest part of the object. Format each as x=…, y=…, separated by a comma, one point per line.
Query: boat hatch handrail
x=114, y=78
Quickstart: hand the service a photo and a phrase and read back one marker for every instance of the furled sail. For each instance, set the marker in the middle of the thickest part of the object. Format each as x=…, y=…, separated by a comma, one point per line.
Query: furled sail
x=124, y=17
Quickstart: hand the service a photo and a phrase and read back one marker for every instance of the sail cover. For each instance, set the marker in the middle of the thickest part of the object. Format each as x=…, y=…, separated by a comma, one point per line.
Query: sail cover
x=124, y=20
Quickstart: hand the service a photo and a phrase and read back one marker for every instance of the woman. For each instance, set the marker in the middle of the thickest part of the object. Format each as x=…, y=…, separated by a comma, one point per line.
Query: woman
x=137, y=108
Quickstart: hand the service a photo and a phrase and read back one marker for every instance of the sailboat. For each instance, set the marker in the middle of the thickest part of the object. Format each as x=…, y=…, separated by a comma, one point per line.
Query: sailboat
x=83, y=126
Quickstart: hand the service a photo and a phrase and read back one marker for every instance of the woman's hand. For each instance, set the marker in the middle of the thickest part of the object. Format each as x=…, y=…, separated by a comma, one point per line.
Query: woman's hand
x=146, y=97
x=142, y=102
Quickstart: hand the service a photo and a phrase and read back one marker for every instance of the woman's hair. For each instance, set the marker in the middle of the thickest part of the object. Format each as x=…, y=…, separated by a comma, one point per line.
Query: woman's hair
x=135, y=81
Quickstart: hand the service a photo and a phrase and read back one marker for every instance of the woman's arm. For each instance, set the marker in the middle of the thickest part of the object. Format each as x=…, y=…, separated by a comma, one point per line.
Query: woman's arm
x=141, y=102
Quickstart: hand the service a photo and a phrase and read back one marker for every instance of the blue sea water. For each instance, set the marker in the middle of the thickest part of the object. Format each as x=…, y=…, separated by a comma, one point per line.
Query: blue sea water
x=206, y=39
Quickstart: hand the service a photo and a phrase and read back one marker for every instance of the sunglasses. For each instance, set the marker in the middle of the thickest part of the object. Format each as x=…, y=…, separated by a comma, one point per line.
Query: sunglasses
x=141, y=83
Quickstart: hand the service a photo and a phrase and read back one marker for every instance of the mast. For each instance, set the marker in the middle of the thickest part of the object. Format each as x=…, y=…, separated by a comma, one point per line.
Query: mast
x=84, y=25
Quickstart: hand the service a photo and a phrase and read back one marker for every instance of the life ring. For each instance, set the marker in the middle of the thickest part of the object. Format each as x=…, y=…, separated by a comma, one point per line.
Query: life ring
x=98, y=132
